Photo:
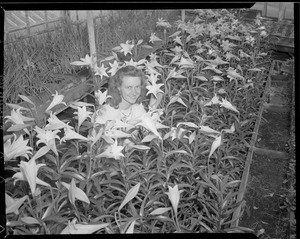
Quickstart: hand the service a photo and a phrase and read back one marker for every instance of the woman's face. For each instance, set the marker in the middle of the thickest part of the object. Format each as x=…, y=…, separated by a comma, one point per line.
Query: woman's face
x=130, y=89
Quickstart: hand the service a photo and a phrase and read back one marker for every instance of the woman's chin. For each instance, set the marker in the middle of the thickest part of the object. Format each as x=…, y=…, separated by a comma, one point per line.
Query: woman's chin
x=132, y=101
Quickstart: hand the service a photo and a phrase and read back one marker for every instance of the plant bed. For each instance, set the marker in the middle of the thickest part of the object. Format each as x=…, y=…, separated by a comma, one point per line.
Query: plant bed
x=186, y=167
x=73, y=87
x=281, y=33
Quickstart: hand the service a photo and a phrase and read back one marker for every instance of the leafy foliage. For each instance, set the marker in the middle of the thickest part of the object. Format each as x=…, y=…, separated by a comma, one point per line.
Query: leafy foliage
x=184, y=170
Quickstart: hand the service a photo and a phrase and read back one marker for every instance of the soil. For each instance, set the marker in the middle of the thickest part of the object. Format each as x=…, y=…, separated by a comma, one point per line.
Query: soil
x=265, y=194
x=265, y=191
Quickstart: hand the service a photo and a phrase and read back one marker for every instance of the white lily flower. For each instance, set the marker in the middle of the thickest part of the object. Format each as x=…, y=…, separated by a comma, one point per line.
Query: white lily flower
x=213, y=101
x=101, y=97
x=15, y=106
x=153, y=56
x=13, y=204
x=174, y=197
x=154, y=38
x=178, y=40
x=126, y=48
x=148, y=123
x=111, y=132
x=100, y=71
x=230, y=131
x=55, y=123
x=177, y=49
x=151, y=70
x=47, y=137
x=71, y=134
x=57, y=99
x=17, y=118
x=174, y=74
x=176, y=134
x=79, y=228
x=163, y=23
x=221, y=91
x=263, y=34
x=213, y=68
x=113, y=68
x=217, y=61
x=228, y=105
x=229, y=56
x=154, y=88
x=243, y=54
x=176, y=98
x=113, y=151
x=186, y=63
x=217, y=142
x=83, y=114
x=87, y=61
x=16, y=148
x=233, y=75
x=116, y=134
x=208, y=130
x=135, y=64
x=28, y=172
x=106, y=113
x=94, y=136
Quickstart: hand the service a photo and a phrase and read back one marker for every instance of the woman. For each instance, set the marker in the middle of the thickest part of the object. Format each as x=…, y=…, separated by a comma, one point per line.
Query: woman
x=127, y=90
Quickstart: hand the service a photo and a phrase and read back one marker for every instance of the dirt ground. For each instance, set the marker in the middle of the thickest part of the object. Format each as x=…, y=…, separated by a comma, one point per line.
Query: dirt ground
x=265, y=193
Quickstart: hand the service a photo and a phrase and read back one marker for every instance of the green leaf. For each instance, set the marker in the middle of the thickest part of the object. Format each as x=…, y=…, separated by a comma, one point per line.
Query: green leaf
x=48, y=210
x=254, y=69
x=142, y=147
x=192, y=137
x=77, y=192
x=149, y=138
x=160, y=210
x=109, y=58
x=78, y=228
x=217, y=78
x=189, y=124
x=25, y=98
x=14, y=106
x=130, y=228
x=130, y=195
x=178, y=151
x=72, y=191
x=175, y=34
x=18, y=127
x=30, y=220
x=147, y=46
x=139, y=42
x=181, y=165
x=181, y=102
x=201, y=78
x=42, y=151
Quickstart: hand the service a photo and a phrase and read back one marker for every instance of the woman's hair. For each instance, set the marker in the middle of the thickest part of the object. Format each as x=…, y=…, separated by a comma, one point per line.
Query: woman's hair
x=116, y=81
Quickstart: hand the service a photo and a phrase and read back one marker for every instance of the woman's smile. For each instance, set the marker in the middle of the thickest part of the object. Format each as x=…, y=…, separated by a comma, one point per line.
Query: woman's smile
x=130, y=90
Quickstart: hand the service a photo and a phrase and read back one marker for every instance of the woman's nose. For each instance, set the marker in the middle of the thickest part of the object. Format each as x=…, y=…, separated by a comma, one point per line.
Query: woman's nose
x=134, y=91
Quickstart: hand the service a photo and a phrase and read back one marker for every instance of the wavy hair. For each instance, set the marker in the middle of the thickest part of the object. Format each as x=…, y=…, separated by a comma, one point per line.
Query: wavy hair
x=116, y=81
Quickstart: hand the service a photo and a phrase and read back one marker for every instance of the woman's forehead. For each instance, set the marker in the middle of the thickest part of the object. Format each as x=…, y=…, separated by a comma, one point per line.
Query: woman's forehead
x=131, y=80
